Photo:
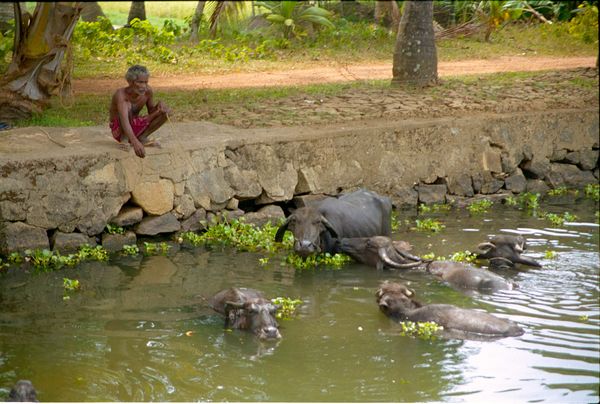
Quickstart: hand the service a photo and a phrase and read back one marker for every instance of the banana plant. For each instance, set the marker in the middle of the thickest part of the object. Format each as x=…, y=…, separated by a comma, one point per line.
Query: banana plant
x=293, y=17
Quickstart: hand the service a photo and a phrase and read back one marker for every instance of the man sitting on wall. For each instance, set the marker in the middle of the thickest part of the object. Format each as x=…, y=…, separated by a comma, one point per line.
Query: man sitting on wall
x=125, y=107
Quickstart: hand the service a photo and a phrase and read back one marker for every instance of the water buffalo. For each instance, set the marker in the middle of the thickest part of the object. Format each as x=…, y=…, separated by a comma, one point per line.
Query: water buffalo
x=464, y=276
x=23, y=391
x=505, y=251
x=379, y=252
x=358, y=214
x=247, y=309
x=397, y=301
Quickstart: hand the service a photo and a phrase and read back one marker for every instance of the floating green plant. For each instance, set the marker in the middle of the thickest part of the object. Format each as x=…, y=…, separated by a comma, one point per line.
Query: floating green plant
x=559, y=220
x=429, y=224
x=463, y=256
x=335, y=261
x=156, y=248
x=424, y=330
x=70, y=286
x=51, y=260
x=435, y=208
x=287, y=307
x=480, y=206
x=550, y=255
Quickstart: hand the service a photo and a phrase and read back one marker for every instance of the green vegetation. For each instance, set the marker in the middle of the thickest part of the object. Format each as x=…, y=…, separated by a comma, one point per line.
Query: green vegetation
x=435, y=208
x=559, y=191
x=481, y=206
x=70, y=286
x=592, y=191
x=558, y=219
x=130, y=249
x=287, y=307
x=429, y=224
x=335, y=261
x=459, y=256
x=550, y=255
x=156, y=248
x=46, y=260
x=526, y=200
x=424, y=330
x=114, y=229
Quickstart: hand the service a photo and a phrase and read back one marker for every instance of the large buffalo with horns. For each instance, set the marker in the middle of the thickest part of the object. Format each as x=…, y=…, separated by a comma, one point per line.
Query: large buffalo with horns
x=380, y=252
x=317, y=228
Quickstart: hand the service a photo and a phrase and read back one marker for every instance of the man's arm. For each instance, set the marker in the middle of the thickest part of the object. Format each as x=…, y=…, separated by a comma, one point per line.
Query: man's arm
x=123, y=110
x=155, y=109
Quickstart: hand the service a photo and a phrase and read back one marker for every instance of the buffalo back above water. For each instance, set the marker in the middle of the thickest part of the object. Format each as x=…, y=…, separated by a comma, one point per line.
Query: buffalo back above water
x=316, y=227
x=247, y=309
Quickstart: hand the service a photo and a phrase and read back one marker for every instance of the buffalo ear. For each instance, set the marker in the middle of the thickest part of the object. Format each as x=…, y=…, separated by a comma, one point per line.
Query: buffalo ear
x=282, y=229
x=329, y=227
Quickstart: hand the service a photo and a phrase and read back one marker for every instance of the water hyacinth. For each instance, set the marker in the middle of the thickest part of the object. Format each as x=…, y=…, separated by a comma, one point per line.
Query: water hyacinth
x=424, y=330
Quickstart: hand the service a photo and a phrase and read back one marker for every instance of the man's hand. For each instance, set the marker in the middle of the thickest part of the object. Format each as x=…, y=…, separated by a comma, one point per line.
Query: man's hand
x=138, y=147
x=162, y=107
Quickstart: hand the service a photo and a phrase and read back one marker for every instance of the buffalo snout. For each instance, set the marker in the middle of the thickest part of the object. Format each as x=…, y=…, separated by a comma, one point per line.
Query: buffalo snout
x=304, y=248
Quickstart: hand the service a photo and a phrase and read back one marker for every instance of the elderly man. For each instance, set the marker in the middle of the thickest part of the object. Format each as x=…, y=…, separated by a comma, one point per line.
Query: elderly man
x=126, y=123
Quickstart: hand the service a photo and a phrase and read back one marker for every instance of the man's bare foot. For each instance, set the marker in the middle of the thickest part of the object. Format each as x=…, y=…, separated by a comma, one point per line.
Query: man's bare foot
x=124, y=146
x=152, y=143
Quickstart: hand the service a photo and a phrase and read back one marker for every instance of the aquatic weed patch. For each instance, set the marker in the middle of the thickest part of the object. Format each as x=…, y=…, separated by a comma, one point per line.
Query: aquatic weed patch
x=46, y=260
x=429, y=224
x=481, y=206
x=287, y=307
x=424, y=330
x=335, y=261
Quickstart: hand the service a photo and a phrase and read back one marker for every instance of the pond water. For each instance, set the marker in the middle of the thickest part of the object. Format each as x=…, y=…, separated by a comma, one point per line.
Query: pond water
x=139, y=330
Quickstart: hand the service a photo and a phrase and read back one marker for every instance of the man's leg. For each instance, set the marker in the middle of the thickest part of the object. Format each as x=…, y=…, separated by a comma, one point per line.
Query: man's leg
x=152, y=127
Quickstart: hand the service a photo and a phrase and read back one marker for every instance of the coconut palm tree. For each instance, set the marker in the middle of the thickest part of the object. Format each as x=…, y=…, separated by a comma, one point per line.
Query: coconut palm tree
x=137, y=10
x=37, y=71
x=195, y=24
x=415, y=55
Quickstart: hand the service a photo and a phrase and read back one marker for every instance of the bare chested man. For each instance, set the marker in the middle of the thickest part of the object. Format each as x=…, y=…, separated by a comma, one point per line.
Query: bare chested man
x=126, y=123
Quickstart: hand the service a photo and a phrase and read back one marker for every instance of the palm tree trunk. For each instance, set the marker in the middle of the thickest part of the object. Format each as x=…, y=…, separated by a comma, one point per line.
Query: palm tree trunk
x=415, y=55
x=195, y=25
x=36, y=71
x=137, y=10
x=90, y=11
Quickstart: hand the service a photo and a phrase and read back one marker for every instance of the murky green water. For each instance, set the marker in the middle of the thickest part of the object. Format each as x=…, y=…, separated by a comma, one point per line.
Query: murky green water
x=124, y=337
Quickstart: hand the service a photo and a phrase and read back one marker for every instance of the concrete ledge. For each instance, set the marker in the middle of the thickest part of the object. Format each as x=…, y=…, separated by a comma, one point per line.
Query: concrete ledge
x=85, y=184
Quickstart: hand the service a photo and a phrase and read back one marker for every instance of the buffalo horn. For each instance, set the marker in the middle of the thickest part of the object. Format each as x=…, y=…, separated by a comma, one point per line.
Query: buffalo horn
x=385, y=257
x=282, y=229
x=329, y=227
x=485, y=247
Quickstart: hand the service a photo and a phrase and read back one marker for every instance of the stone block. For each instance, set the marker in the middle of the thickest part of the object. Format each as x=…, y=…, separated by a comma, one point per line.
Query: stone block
x=568, y=175
x=572, y=158
x=588, y=159
x=155, y=198
x=308, y=181
x=301, y=201
x=243, y=182
x=461, y=185
x=492, y=161
x=403, y=197
x=115, y=242
x=490, y=184
x=516, y=182
x=153, y=225
x=196, y=222
x=18, y=236
x=434, y=193
x=536, y=168
x=68, y=242
x=128, y=215
x=269, y=213
x=537, y=187
x=184, y=207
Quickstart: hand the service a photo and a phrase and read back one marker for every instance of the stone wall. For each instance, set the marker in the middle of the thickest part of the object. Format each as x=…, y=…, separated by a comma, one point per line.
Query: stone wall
x=63, y=198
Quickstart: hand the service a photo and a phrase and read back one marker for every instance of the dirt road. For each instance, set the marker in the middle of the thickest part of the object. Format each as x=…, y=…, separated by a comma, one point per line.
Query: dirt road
x=339, y=73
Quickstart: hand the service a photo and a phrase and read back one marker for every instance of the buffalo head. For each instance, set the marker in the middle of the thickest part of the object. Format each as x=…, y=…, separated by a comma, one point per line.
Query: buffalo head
x=309, y=228
x=247, y=309
x=505, y=251
x=23, y=391
x=395, y=299
x=379, y=251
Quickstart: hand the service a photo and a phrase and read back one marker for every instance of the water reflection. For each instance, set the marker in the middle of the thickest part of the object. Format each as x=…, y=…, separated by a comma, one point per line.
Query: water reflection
x=140, y=329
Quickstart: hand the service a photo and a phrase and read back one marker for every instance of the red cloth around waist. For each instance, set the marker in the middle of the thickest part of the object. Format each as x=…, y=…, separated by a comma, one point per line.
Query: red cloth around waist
x=138, y=124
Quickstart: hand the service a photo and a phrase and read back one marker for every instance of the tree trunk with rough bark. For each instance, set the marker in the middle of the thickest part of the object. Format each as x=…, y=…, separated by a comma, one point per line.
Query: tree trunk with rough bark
x=415, y=55
x=196, y=19
x=90, y=11
x=36, y=71
x=137, y=10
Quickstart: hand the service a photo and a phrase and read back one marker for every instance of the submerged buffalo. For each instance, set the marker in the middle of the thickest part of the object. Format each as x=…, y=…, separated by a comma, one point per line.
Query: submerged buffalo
x=247, y=309
x=464, y=276
x=317, y=227
x=23, y=391
x=398, y=302
x=379, y=252
x=505, y=251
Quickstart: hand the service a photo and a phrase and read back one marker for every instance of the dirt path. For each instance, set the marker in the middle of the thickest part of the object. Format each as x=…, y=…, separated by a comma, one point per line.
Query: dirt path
x=339, y=73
